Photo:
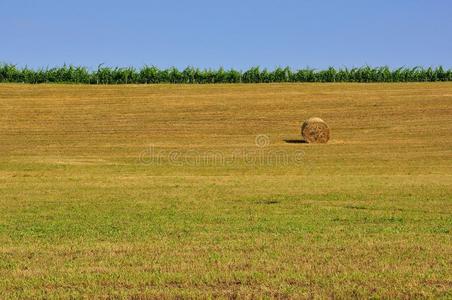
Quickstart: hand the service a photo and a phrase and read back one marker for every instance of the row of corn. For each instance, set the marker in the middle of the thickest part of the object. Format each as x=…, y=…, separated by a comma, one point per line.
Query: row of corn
x=152, y=74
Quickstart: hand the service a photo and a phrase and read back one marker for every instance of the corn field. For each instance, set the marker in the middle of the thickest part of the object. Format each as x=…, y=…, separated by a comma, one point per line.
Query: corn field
x=152, y=74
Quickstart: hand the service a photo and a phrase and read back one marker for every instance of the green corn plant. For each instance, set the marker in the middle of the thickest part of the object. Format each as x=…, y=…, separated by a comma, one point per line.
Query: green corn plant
x=191, y=75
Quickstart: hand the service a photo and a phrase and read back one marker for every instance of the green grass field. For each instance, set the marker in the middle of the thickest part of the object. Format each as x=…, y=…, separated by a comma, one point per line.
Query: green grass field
x=161, y=191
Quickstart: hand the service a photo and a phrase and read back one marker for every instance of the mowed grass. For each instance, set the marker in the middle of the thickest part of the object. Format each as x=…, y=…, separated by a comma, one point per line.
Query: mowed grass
x=161, y=191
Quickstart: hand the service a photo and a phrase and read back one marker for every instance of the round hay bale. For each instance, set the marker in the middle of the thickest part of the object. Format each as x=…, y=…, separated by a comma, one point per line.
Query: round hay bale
x=315, y=130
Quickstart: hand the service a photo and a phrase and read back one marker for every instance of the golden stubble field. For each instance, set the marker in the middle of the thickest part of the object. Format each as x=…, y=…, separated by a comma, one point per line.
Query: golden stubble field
x=205, y=190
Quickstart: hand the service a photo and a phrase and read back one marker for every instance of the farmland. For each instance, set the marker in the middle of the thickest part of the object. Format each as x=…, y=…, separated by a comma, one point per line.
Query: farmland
x=206, y=190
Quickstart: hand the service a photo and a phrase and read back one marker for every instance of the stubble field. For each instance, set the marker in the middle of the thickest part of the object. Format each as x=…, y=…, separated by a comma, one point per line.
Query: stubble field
x=205, y=191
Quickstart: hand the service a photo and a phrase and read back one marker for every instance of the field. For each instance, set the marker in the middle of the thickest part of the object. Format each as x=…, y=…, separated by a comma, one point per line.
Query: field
x=206, y=191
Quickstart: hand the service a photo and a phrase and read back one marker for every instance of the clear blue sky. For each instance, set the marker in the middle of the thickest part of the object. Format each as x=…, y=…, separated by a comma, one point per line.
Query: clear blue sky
x=232, y=33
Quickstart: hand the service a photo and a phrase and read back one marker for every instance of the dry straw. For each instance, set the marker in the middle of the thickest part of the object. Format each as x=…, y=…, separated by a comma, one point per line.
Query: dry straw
x=315, y=130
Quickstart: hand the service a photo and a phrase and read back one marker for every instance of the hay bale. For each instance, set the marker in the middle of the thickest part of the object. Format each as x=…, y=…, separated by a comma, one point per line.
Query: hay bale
x=315, y=130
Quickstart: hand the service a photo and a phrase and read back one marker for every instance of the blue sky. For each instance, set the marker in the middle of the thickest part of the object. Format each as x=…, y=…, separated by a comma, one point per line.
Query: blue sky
x=238, y=34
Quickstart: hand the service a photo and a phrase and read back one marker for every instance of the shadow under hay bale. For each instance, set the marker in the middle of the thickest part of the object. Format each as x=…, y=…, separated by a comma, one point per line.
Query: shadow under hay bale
x=295, y=141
